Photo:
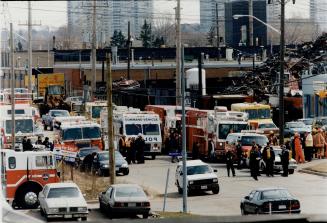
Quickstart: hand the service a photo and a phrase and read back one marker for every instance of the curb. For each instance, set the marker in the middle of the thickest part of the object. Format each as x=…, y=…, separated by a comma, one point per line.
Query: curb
x=313, y=172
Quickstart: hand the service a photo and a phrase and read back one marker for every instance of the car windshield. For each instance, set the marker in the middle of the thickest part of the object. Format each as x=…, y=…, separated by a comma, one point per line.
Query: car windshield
x=91, y=132
x=258, y=113
x=274, y=194
x=21, y=125
x=225, y=129
x=277, y=152
x=296, y=125
x=103, y=156
x=64, y=192
x=85, y=152
x=129, y=192
x=267, y=125
x=259, y=140
x=60, y=113
x=118, y=156
x=96, y=110
x=133, y=129
x=151, y=129
x=192, y=170
x=72, y=134
x=55, y=90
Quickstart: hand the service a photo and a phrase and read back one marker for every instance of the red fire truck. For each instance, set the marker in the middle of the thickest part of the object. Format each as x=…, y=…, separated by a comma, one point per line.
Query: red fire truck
x=24, y=174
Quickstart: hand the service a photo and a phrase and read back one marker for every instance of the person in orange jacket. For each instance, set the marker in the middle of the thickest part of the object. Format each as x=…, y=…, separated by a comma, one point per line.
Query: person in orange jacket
x=298, y=148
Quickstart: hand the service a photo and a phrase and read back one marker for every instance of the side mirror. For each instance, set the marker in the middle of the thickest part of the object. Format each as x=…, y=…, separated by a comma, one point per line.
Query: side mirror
x=215, y=170
x=246, y=197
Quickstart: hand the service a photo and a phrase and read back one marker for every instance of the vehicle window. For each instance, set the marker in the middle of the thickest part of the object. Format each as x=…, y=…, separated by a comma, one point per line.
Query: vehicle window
x=296, y=125
x=277, y=152
x=133, y=129
x=274, y=194
x=192, y=170
x=108, y=192
x=45, y=190
x=59, y=113
x=72, y=134
x=12, y=162
x=267, y=125
x=17, y=112
x=55, y=90
x=21, y=125
x=103, y=156
x=256, y=195
x=91, y=132
x=96, y=110
x=225, y=129
x=64, y=192
x=43, y=161
x=85, y=152
x=251, y=195
x=260, y=140
x=151, y=129
x=129, y=192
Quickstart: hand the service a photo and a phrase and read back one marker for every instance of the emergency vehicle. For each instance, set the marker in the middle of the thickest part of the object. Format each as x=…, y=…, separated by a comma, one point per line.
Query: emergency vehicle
x=93, y=110
x=24, y=174
x=203, y=125
x=130, y=122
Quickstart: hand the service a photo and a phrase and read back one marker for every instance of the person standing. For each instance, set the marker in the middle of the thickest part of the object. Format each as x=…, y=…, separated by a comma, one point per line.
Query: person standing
x=122, y=146
x=211, y=150
x=285, y=157
x=319, y=143
x=299, y=157
x=308, y=149
x=229, y=162
x=272, y=138
x=268, y=156
x=239, y=154
x=24, y=142
x=139, y=146
x=254, y=162
x=28, y=146
x=195, y=150
x=39, y=141
x=131, y=152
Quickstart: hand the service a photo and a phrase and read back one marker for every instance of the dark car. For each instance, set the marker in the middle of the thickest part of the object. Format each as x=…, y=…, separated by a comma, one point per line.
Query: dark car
x=101, y=163
x=82, y=153
x=270, y=200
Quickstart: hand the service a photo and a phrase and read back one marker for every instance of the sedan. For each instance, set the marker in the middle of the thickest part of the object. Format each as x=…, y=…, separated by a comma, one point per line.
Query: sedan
x=124, y=199
x=270, y=200
x=62, y=200
x=101, y=163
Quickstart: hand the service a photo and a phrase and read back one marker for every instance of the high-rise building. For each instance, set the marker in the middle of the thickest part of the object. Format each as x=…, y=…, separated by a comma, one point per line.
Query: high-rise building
x=111, y=15
x=208, y=16
x=318, y=9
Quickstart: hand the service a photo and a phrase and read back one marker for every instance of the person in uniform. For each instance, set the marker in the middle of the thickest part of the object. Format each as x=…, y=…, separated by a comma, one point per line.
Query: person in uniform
x=285, y=157
x=122, y=146
x=39, y=141
x=272, y=138
x=211, y=150
x=139, y=146
x=254, y=161
x=239, y=154
x=268, y=157
x=298, y=148
x=229, y=162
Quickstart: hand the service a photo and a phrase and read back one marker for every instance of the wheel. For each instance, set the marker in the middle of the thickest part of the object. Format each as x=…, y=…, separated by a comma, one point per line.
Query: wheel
x=45, y=127
x=29, y=197
x=102, y=209
x=216, y=190
x=153, y=157
x=243, y=212
x=41, y=211
x=126, y=172
x=145, y=216
x=291, y=171
x=84, y=218
x=180, y=190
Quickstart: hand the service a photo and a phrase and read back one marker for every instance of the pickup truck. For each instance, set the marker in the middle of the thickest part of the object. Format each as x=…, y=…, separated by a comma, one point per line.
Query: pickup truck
x=48, y=119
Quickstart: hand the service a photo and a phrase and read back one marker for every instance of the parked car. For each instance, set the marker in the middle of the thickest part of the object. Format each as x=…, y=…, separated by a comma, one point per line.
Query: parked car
x=124, y=199
x=200, y=177
x=81, y=154
x=292, y=127
x=74, y=100
x=62, y=200
x=101, y=163
x=320, y=122
x=307, y=121
x=278, y=163
x=48, y=119
x=273, y=200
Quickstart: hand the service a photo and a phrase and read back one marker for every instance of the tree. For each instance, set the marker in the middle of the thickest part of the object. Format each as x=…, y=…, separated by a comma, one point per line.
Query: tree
x=158, y=42
x=165, y=27
x=118, y=39
x=211, y=36
x=146, y=35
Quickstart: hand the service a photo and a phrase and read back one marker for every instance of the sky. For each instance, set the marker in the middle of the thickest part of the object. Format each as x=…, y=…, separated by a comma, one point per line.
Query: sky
x=53, y=13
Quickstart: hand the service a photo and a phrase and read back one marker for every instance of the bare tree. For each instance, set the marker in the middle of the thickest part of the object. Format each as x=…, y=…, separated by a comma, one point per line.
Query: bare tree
x=165, y=27
x=66, y=39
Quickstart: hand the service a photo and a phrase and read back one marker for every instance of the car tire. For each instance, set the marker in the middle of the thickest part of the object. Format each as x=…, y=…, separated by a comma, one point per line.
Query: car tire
x=51, y=127
x=291, y=171
x=32, y=193
x=243, y=212
x=262, y=167
x=126, y=172
x=216, y=190
x=146, y=216
x=84, y=218
x=100, y=173
x=102, y=209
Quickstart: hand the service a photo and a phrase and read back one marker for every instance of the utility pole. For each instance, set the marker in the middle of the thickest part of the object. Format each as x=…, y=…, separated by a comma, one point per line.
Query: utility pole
x=29, y=46
x=110, y=125
x=178, y=53
x=129, y=51
x=250, y=23
x=94, y=56
x=184, y=135
x=281, y=73
x=217, y=29
x=13, y=127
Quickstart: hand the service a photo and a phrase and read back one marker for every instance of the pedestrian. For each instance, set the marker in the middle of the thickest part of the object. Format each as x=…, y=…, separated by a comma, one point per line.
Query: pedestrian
x=254, y=161
x=272, y=138
x=239, y=154
x=24, y=143
x=88, y=162
x=131, y=152
x=308, y=149
x=299, y=157
x=48, y=145
x=325, y=137
x=211, y=150
x=122, y=146
x=230, y=162
x=268, y=156
x=319, y=143
x=285, y=157
x=39, y=141
x=195, y=150
x=139, y=146
x=28, y=145
x=239, y=57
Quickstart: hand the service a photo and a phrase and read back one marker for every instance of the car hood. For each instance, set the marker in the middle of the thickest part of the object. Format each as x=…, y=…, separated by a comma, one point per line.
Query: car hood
x=131, y=199
x=66, y=202
x=201, y=176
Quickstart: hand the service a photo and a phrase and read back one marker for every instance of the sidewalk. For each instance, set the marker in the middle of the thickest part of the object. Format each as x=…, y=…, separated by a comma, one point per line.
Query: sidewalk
x=316, y=167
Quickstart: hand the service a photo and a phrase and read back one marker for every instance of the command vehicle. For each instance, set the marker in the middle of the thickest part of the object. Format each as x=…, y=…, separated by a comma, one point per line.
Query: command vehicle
x=203, y=125
x=25, y=174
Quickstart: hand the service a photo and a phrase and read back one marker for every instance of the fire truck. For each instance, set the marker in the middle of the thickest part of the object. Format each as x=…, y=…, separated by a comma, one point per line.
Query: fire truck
x=203, y=125
x=24, y=174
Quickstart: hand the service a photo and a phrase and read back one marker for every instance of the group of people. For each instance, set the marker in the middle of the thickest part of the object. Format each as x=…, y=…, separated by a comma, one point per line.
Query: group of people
x=132, y=149
x=28, y=146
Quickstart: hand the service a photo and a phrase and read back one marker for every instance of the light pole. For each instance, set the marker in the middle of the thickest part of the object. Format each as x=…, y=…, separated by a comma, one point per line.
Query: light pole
x=259, y=20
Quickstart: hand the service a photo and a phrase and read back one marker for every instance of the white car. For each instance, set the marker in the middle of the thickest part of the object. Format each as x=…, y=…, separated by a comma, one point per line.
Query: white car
x=278, y=163
x=74, y=100
x=62, y=200
x=200, y=177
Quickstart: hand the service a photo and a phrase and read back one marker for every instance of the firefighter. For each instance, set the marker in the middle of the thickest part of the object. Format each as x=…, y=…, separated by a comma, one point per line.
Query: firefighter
x=131, y=151
x=139, y=146
x=285, y=157
x=254, y=161
x=239, y=154
x=39, y=141
x=211, y=150
x=195, y=150
x=268, y=156
x=272, y=138
x=28, y=146
x=229, y=162
x=122, y=146
x=298, y=149
x=48, y=145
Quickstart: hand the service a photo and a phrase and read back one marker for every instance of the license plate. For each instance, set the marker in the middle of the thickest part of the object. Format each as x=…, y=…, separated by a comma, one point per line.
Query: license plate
x=68, y=216
x=131, y=204
x=204, y=187
x=282, y=207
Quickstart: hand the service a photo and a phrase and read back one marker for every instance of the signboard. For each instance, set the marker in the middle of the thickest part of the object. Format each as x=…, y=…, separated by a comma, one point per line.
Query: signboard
x=45, y=80
x=67, y=153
